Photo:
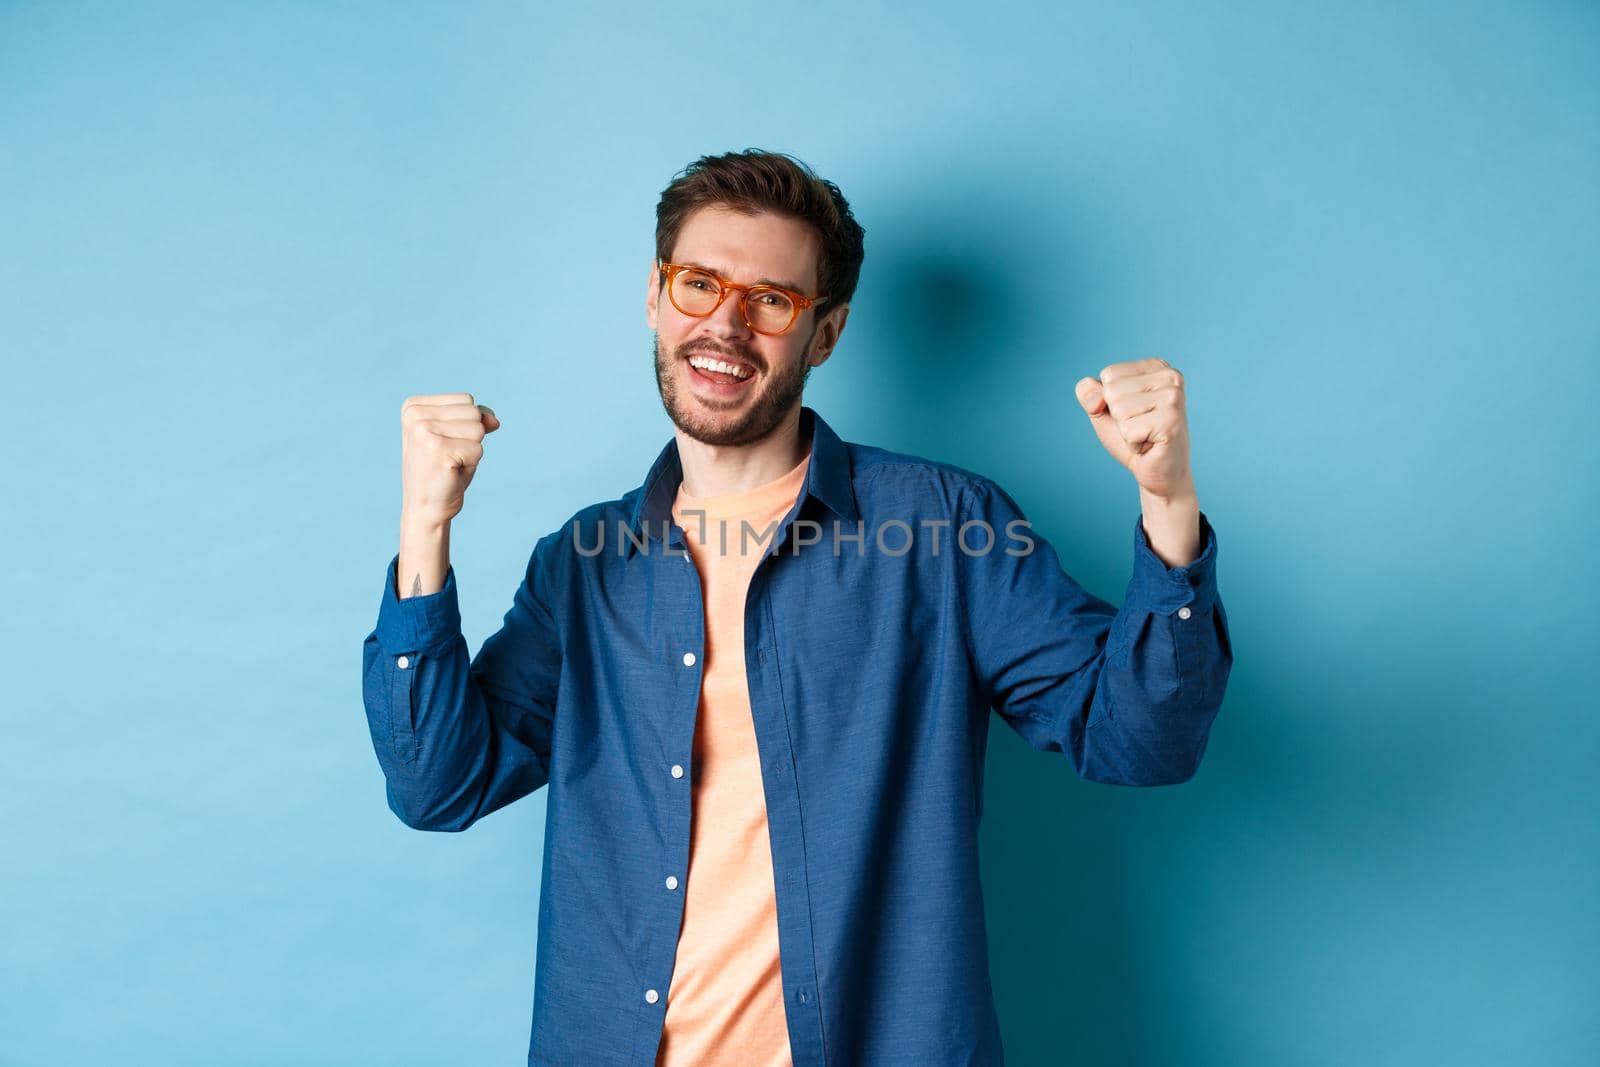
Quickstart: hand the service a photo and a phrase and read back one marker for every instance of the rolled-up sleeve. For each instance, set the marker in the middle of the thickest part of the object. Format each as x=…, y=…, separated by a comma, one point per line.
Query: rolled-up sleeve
x=1128, y=695
x=458, y=738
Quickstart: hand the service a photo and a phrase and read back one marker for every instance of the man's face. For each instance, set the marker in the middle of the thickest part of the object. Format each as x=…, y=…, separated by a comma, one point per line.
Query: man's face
x=746, y=250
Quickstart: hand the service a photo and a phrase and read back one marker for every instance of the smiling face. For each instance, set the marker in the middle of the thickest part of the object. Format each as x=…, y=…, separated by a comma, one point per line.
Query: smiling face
x=719, y=408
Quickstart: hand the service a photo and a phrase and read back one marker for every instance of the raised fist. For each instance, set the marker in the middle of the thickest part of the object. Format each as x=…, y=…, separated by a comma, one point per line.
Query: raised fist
x=1139, y=412
x=441, y=446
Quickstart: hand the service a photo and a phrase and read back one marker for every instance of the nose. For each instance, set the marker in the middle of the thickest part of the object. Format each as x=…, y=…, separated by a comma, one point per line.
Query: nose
x=728, y=319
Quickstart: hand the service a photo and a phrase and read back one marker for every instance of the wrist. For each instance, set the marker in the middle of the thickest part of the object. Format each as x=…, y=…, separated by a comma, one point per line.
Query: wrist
x=1172, y=526
x=423, y=526
x=1179, y=500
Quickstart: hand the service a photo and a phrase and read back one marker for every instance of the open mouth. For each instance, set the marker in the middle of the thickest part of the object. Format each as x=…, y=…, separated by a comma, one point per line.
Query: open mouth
x=726, y=375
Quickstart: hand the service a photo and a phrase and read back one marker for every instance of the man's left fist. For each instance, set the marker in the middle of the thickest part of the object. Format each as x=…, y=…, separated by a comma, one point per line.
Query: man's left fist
x=1137, y=410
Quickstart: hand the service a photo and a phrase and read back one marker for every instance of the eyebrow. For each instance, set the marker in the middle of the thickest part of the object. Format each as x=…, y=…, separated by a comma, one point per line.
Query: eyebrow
x=791, y=286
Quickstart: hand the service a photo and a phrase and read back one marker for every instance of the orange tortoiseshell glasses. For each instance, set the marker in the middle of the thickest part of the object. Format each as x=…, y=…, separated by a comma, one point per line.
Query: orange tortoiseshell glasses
x=767, y=309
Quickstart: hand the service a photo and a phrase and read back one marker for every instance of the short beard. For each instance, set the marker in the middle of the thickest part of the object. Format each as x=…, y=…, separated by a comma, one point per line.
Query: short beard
x=779, y=396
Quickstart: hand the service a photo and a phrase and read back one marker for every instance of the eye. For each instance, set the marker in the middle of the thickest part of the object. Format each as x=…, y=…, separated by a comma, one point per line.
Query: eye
x=698, y=281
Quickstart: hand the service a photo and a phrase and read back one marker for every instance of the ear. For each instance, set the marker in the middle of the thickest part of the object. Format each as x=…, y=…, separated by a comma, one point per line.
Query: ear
x=652, y=295
x=828, y=335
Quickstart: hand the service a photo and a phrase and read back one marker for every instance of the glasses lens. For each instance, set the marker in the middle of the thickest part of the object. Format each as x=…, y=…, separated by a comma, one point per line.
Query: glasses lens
x=770, y=310
x=695, y=292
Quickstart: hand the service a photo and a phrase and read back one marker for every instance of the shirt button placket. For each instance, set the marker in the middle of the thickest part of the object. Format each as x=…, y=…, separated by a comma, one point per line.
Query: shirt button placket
x=650, y=995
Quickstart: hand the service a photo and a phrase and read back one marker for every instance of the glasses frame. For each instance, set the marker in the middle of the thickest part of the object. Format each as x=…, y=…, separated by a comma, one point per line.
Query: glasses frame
x=801, y=301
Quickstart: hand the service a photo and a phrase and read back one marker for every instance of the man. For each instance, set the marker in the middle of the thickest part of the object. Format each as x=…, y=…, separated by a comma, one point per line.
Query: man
x=758, y=685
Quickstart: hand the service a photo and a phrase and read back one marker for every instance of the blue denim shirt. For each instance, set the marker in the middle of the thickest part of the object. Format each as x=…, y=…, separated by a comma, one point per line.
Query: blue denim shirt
x=879, y=634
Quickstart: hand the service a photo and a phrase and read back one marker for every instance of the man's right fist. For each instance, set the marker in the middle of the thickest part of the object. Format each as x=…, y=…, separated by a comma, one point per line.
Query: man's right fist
x=441, y=444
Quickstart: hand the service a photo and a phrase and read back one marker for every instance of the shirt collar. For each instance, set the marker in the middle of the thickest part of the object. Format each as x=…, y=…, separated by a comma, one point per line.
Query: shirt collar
x=827, y=479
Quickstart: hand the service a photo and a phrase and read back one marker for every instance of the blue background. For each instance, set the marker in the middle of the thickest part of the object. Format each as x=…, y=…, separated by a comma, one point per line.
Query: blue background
x=233, y=238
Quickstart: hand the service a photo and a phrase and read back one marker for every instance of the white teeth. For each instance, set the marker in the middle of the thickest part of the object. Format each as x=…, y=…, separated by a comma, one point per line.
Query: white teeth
x=707, y=363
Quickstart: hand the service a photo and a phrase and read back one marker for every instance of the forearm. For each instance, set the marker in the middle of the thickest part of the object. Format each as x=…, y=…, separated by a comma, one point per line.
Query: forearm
x=424, y=557
x=456, y=737
x=1163, y=693
x=1172, y=526
x=1126, y=693
x=446, y=757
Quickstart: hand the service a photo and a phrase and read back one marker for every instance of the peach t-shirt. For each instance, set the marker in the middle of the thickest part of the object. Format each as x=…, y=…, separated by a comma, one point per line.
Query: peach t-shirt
x=725, y=1004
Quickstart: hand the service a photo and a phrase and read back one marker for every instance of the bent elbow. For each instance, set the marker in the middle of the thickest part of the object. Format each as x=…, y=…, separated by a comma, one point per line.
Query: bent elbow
x=434, y=820
x=1142, y=753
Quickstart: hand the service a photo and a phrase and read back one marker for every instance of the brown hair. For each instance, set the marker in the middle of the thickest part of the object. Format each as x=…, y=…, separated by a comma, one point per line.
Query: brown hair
x=756, y=180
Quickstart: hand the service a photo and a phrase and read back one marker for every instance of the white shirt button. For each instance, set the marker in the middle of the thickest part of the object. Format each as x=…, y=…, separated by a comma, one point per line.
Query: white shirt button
x=651, y=996
x=688, y=659
x=677, y=771
x=403, y=662
x=1183, y=613
x=672, y=881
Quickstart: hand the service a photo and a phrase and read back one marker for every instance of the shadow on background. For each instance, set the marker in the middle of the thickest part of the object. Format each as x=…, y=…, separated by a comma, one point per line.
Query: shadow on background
x=1331, y=830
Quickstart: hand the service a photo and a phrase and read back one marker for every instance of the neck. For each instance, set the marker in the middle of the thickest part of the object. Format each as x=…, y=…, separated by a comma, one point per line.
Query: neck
x=719, y=470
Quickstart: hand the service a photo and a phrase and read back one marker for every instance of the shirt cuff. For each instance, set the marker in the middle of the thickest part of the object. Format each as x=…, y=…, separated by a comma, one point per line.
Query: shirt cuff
x=1165, y=590
x=418, y=623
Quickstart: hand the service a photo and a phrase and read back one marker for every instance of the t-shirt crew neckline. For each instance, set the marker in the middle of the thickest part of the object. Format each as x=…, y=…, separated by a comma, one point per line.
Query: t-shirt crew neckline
x=783, y=488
